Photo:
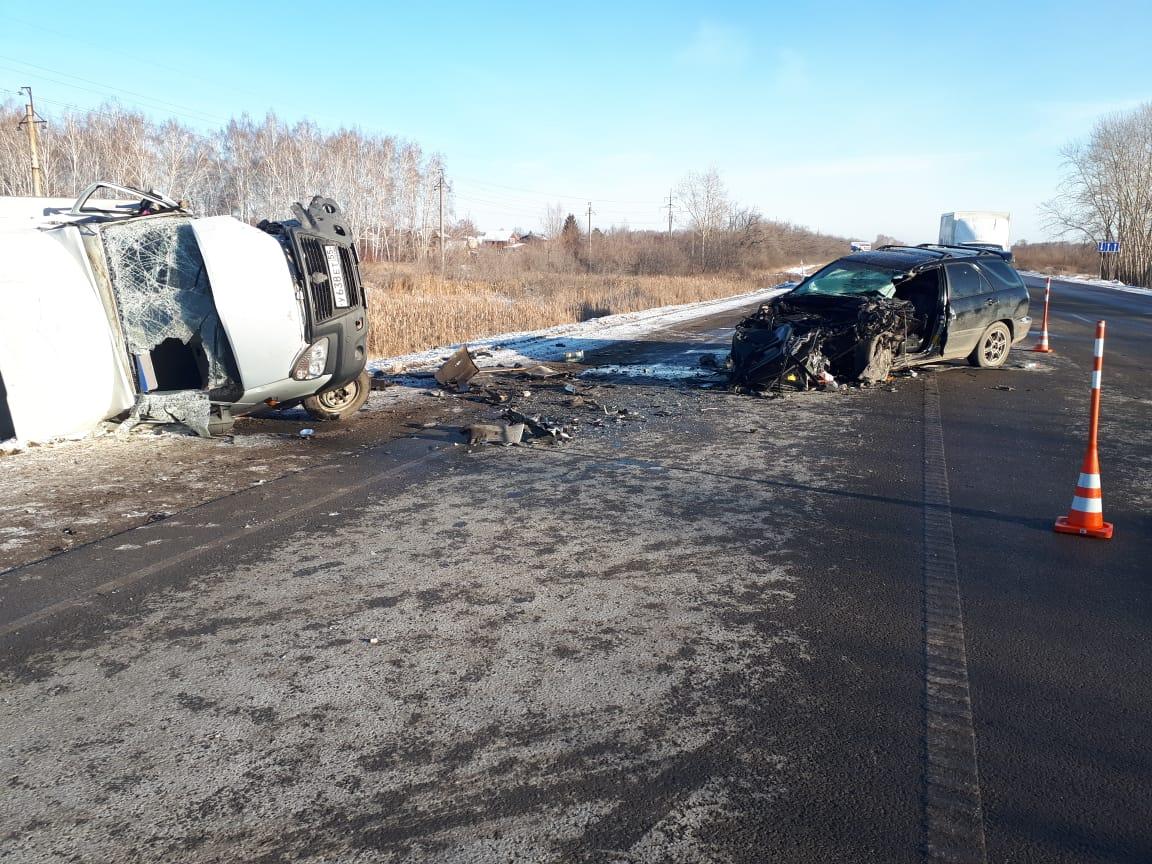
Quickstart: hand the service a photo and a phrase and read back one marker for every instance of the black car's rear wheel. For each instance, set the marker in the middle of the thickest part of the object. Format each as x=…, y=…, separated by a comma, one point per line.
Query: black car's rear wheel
x=991, y=351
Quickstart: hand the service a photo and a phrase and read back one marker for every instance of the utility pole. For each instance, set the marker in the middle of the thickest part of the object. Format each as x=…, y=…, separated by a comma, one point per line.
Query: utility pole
x=589, y=234
x=440, y=187
x=669, y=214
x=30, y=122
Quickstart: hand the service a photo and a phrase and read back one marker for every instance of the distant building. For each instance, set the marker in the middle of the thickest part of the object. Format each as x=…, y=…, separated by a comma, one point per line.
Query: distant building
x=499, y=239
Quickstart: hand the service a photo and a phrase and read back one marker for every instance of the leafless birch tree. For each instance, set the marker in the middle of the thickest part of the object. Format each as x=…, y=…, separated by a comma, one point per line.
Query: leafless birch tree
x=1107, y=193
x=705, y=200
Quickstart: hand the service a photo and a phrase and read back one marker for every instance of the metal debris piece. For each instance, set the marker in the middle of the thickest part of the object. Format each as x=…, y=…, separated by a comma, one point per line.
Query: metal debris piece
x=435, y=394
x=190, y=408
x=570, y=388
x=495, y=433
x=458, y=370
x=307, y=433
x=542, y=427
x=573, y=356
x=1003, y=387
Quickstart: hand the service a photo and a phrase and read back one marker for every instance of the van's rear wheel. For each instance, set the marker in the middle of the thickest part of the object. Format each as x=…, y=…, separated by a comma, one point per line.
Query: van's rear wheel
x=991, y=351
x=340, y=403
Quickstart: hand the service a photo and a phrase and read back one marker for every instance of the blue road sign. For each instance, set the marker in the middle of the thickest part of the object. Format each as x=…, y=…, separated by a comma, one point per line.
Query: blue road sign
x=1109, y=246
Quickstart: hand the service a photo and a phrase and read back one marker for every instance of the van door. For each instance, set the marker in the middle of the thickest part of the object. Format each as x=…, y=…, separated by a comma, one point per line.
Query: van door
x=971, y=302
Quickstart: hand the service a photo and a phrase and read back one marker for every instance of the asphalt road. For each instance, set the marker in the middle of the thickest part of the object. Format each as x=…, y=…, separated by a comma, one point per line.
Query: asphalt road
x=832, y=627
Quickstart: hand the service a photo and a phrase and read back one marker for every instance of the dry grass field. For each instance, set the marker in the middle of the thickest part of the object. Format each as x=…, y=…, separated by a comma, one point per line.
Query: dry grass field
x=411, y=310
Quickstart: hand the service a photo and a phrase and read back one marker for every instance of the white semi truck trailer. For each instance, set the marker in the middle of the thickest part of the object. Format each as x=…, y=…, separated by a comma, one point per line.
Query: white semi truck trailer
x=977, y=228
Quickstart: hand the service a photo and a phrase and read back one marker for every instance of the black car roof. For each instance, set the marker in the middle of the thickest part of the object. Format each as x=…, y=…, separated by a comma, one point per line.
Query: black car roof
x=909, y=257
x=893, y=259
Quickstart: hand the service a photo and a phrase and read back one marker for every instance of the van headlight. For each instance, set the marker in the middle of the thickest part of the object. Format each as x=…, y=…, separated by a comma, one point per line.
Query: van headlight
x=312, y=360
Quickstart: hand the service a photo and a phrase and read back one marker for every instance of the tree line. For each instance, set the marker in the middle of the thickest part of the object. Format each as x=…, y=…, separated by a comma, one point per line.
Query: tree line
x=255, y=169
x=252, y=169
x=1107, y=194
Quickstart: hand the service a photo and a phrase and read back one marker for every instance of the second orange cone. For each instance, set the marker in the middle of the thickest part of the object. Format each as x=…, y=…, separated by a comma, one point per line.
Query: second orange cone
x=1086, y=515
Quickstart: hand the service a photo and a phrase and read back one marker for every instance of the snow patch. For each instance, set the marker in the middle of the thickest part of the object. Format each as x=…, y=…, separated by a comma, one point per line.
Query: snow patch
x=663, y=371
x=1084, y=279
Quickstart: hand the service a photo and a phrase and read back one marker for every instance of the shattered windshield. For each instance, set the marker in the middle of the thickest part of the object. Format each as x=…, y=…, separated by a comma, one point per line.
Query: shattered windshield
x=166, y=306
x=850, y=277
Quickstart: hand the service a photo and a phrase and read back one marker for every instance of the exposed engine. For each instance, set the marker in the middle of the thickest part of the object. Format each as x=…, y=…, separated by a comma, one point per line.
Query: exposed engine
x=809, y=340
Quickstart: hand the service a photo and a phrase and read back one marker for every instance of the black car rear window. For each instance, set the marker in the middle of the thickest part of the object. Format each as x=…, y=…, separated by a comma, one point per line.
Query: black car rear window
x=1000, y=274
x=964, y=280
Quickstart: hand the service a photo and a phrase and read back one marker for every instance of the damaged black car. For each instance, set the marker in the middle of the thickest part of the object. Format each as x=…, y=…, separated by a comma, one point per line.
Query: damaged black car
x=867, y=314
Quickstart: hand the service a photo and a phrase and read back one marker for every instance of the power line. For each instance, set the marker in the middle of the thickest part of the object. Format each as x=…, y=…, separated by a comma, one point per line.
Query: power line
x=168, y=67
x=159, y=103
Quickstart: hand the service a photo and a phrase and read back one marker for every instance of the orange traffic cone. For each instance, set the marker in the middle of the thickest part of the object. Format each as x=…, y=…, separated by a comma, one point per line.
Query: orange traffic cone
x=1086, y=515
x=1042, y=345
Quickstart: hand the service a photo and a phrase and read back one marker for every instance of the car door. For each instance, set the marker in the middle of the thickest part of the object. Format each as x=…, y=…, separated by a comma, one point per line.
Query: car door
x=971, y=308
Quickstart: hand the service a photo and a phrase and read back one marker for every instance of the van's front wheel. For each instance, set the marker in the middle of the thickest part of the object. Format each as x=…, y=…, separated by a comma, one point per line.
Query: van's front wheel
x=342, y=402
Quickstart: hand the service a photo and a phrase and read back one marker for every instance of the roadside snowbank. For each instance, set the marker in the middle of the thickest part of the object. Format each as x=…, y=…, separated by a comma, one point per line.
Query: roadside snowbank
x=552, y=344
x=1084, y=279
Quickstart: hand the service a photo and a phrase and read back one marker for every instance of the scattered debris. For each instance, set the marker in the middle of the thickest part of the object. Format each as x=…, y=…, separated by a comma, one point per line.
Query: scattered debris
x=306, y=433
x=1003, y=387
x=542, y=427
x=435, y=394
x=458, y=371
x=573, y=356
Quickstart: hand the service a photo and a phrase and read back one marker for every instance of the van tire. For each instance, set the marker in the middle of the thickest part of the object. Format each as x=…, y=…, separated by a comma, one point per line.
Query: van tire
x=340, y=403
x=991, y=352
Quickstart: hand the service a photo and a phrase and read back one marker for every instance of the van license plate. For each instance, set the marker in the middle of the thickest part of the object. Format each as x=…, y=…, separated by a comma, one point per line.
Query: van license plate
x=336, y=273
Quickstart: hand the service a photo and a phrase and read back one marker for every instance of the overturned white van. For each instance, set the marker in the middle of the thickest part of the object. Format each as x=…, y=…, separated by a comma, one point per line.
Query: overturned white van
x=126, y=303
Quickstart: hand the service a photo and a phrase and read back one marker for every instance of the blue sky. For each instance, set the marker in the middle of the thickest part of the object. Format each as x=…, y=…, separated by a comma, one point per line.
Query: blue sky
x=853, y=118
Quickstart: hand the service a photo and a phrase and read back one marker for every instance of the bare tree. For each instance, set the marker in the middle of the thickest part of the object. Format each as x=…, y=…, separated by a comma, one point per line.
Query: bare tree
x=705, y=201
x=1107, y=193
x=552, y=222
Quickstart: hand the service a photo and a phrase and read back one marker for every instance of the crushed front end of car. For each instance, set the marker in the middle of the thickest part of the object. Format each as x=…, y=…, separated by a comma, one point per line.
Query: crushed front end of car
x=803, y=341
